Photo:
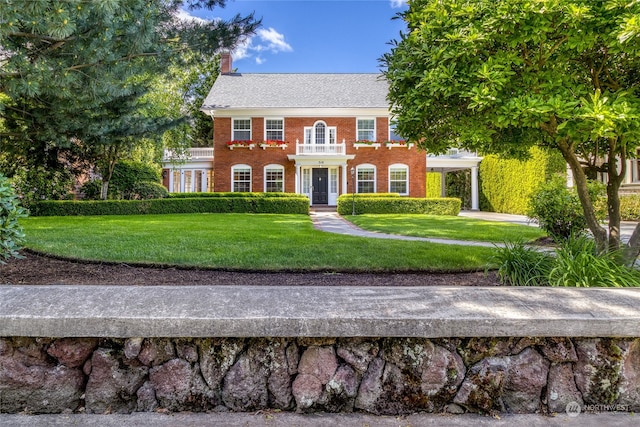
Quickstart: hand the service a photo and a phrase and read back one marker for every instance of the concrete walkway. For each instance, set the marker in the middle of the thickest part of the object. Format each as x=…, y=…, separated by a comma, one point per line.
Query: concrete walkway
x=329, y=221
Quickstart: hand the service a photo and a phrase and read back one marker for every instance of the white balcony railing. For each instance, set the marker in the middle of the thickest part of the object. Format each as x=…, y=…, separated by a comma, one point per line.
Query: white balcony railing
x=455, y=153
x=197, y=153
x=325, y=149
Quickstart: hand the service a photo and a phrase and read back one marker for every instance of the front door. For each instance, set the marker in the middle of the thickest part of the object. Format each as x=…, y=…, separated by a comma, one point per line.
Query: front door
x=320, y=184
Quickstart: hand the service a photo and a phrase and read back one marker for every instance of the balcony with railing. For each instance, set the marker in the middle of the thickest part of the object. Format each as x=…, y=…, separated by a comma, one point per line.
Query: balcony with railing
x=321, y=149
x=196, y=153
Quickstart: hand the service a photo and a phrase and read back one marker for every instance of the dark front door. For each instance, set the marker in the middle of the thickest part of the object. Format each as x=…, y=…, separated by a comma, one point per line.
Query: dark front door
x=320, y=187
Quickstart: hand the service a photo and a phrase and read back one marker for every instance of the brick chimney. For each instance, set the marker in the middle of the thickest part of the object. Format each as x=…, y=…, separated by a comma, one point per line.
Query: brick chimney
x=225, y=62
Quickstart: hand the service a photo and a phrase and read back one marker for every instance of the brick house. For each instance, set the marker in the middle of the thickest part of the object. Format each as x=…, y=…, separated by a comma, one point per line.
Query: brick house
x=315, y=134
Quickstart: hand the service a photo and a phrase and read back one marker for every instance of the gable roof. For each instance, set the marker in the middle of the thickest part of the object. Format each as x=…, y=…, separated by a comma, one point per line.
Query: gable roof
x=242, y=91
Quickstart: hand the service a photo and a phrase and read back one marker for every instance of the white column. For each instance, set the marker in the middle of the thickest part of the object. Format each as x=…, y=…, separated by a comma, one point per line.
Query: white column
x=345, y=172
x=443, y=184
x=170, y=172
x=203, y=181
x=628, y=177
x=297, y=179
x=475, y=194
x=182, y=181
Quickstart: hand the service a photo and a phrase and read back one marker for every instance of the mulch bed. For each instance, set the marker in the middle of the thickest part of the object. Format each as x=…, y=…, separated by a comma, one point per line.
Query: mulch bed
x=37, y=269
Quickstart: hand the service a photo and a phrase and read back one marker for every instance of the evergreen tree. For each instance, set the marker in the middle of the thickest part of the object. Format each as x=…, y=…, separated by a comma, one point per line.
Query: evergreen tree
x=69, y=67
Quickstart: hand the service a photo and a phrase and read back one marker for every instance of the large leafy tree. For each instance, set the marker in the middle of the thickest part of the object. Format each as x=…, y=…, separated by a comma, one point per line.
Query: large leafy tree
x=73, y=72
x=502, y=75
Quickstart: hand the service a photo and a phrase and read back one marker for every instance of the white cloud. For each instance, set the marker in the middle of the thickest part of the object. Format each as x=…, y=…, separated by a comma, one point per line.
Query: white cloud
x=185, y=16
x=397, y=3
x=265, y=41
x=275, y=40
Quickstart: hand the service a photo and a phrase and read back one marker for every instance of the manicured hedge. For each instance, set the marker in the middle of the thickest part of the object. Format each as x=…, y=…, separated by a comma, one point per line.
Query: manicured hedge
x=434, y=184
x=397, y=205
x=630, y=207
x=282, y=205
x=232, y=194
x=506, y=184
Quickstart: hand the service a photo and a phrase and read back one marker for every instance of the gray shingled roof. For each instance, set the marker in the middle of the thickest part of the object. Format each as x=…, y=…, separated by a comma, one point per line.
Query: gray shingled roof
x=238, y=91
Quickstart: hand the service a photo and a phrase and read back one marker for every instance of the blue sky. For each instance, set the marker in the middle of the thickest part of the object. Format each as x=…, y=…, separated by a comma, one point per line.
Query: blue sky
x=315, y=36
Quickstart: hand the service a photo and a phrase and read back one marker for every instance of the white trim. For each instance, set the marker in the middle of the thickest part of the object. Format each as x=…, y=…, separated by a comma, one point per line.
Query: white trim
x=241, y=166
x=233, y=128
x=375, y=176
x=359, y=118
x=406, y=169
x=273, y=166
x=264, y=126
x=303, y=112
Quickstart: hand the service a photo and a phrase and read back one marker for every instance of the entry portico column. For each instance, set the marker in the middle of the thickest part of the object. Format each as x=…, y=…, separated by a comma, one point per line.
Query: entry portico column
x=475, y=195
x=344, y=179
x=297, y=179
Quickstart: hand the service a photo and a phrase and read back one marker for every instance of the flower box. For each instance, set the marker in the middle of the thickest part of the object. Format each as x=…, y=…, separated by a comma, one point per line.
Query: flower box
x=365, y=144
x=275, y=143
x=402, y=144
x=240, y=144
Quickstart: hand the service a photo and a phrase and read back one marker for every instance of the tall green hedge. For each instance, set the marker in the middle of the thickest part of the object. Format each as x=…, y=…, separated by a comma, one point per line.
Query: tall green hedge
x=384, y=204
x=434, y=185
x=506, y=184
x=294, y=204
x=630, y=207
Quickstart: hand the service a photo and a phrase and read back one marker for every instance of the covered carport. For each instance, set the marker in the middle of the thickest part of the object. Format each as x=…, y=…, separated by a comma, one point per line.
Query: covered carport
x=456, y=160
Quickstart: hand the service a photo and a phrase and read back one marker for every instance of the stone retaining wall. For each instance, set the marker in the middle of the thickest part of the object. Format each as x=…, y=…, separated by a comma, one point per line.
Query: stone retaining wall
x=375, y=375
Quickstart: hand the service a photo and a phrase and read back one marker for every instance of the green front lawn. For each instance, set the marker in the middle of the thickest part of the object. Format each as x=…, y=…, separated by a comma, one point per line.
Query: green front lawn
x=239, y=241
x=447, y=227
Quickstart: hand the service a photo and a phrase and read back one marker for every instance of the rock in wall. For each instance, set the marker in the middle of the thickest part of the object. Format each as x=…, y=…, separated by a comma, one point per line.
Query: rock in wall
x=375, y=375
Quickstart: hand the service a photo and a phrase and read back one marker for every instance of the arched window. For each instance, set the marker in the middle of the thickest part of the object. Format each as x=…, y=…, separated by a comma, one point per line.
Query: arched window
x=399, y=179
x=274, y=178
x=241, y=178
x=366, y=176
x=320, y=134
x=320, y=130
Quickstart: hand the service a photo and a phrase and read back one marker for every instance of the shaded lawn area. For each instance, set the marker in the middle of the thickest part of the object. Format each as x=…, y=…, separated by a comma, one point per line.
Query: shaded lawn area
x=447, y=227
x=239, y=241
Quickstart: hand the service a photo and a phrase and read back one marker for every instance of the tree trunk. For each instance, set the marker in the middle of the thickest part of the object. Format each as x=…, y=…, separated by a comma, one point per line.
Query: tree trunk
x=613, y=194
x=632, y=251
x=580, y=178
x=104, y=189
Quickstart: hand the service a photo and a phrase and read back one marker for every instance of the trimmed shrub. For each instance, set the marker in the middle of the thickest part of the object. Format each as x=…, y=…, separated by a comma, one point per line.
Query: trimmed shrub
x=630, y=207
x=280, y=205
x=231, y=194
x=11, y=235
x=397, y=205
x=127, y=174
x=131, y=181
x=558, y=211
x=148, y=190
x=506, y=184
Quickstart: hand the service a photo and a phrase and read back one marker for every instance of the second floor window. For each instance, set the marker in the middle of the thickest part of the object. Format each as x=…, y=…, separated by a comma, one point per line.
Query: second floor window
x=366, y=130
x=274, y=129
x=241, y=129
